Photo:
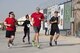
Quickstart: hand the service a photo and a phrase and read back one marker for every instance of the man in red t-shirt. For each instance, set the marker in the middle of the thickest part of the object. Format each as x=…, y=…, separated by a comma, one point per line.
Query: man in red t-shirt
x=36, y=19
x=10, y=28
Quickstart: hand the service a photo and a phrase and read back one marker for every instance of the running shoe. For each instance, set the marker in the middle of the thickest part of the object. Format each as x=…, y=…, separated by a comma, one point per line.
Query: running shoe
x=33, y=43
x=38, y=45
x=50, y=44
x=55, y=42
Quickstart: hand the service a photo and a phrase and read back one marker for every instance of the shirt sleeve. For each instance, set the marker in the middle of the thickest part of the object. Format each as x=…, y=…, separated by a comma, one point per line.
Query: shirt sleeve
x=23, y=23
x=42, y=16
x=32, y=15
x=6, y=20
x=15, y=20
x=51, y=20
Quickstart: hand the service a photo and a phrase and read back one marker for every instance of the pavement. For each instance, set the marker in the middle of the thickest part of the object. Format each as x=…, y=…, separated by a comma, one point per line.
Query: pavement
x=66, y=44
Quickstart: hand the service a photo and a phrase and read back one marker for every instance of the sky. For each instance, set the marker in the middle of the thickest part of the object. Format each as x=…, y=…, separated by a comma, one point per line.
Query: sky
x=22, y=7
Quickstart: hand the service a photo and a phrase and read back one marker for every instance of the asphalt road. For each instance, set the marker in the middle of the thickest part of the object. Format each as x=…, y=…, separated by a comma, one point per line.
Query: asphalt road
x=65, y=45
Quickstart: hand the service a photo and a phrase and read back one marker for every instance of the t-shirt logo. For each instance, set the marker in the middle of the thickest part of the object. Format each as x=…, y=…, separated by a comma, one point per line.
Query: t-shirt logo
x=28, y=25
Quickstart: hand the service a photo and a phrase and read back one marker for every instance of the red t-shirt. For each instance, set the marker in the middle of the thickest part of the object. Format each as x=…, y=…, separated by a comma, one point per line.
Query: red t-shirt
x=36, y=18
x=12, y=22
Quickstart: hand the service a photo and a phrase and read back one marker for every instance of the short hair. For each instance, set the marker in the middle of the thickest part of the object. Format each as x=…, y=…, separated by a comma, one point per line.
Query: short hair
x=11, y=12
x=27, y=16
x=56, y=12
x=37, y=8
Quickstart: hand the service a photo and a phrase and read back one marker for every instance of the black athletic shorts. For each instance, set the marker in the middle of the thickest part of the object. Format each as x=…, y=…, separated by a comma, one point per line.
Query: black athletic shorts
x=10, y=33
x=53, y=31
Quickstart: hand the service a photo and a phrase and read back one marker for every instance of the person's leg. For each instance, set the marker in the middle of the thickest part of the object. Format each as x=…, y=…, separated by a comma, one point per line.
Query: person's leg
x=37, y=37
x=24, y=35
x=56, y=36
x=34, y=38
x=45, y=31
x=28, y=36
x=8, y=41
x=48, y=31
x=37, y=40
x=12, y=37
x=8, y=37
x=51, y=37
x=35, y=29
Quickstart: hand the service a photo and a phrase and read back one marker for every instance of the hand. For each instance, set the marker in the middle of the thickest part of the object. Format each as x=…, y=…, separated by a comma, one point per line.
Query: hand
x=55, y=21
x=39, y=18
x=48, y=23
x=9, y=25
x=32, y=23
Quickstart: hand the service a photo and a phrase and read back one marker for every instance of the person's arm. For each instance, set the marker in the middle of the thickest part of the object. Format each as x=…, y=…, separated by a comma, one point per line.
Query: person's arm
x=30, y=23
x=5, y=23
x=32, y=20
x=58, y=20
x=16, y=22
x=42, y=18
x=51, y=21
x=23, y=23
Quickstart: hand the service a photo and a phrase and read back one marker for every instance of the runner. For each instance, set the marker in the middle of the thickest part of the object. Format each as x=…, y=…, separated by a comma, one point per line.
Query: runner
x=26, y=25
x=36, y=18
x=10, y=28
x=54, y=21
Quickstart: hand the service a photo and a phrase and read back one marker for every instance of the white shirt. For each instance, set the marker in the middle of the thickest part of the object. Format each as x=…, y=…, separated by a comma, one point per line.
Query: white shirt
x=46, y=25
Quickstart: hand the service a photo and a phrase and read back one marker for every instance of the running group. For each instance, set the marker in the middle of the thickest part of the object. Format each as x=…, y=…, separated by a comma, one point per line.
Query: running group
x=35, y=21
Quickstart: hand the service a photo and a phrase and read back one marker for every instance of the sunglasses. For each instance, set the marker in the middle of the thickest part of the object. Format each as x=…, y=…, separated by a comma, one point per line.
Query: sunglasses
x=11, y=14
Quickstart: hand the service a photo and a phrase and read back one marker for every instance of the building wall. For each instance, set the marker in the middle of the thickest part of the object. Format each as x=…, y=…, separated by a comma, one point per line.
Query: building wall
x=67, y=15
x=76, y=15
